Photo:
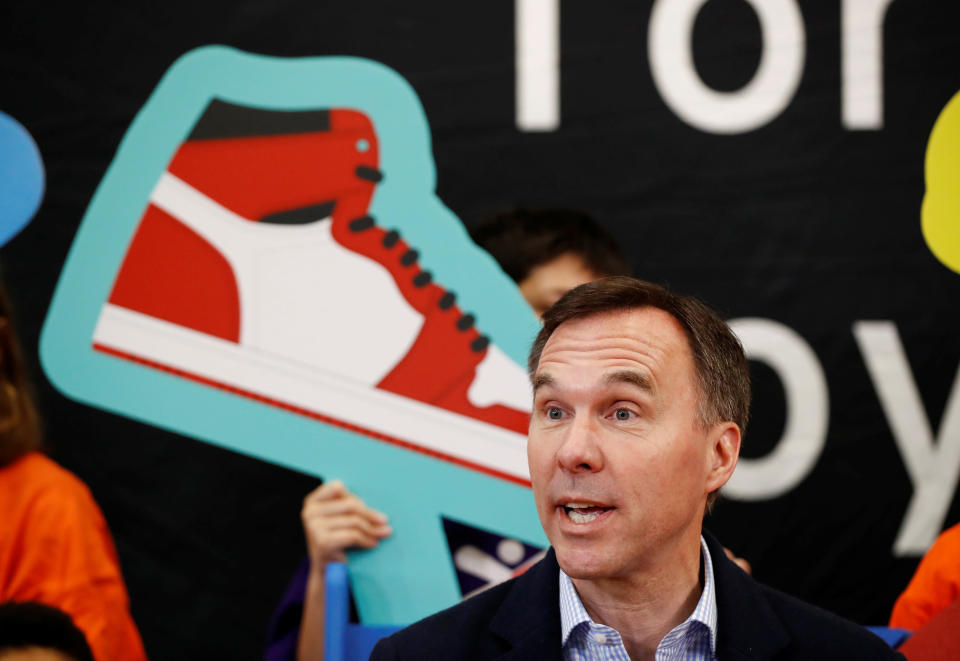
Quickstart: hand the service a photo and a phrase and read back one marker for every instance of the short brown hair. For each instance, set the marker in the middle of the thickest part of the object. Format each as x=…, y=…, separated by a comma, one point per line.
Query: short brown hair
x=523, y=238
x=20, y=429
x=723, y=374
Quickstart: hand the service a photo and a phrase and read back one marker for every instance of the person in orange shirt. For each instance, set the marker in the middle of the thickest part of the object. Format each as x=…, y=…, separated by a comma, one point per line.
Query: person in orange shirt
x=55, y=547
x=934, y=586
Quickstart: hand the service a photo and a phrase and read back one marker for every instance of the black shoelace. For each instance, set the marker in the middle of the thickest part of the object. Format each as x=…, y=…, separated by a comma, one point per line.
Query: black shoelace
x=409, y=257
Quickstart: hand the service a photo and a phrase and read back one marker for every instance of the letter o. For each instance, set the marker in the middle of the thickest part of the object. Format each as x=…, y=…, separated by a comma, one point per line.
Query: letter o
x=805, y=431
x=670, y=51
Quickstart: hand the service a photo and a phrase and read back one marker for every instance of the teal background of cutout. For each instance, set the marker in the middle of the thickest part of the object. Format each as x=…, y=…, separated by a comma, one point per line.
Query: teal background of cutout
x=411, y=574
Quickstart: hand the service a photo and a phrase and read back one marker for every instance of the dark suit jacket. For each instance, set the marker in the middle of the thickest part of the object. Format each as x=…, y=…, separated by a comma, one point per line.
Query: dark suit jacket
x=520, y=619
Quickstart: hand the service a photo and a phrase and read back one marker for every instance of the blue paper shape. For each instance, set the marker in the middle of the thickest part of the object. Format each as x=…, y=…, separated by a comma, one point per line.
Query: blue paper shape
x=21, y=177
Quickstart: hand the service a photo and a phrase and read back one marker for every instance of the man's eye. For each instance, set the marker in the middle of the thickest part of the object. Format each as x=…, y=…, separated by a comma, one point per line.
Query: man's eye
x=554, y=413
x=623, y=415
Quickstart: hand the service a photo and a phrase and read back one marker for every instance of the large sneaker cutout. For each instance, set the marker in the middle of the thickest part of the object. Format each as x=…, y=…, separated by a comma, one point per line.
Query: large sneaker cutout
x=266, y=255
x=257, y=268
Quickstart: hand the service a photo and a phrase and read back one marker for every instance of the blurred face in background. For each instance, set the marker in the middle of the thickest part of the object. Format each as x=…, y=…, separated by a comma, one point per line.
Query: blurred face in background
x=547, y=282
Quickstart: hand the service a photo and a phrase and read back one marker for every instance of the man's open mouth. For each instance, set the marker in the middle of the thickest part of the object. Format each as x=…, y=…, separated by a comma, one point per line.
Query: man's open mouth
x=584, y=512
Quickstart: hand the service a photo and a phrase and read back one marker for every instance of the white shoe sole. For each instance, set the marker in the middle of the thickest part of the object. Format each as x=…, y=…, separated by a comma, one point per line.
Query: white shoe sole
x=312, y=392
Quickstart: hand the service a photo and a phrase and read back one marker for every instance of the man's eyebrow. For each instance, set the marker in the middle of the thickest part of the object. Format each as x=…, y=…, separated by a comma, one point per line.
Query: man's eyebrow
x=638, y=379
x=541, y=380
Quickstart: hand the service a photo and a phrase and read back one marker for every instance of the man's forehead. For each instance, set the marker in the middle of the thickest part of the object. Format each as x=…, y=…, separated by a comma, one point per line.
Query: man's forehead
x=632, y=346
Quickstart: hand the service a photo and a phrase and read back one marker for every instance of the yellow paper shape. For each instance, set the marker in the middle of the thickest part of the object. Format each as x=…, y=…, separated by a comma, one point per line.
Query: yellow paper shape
x=940, y=212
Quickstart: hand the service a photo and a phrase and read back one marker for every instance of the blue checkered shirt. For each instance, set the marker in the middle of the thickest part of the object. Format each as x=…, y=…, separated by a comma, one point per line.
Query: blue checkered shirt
x=693, y=640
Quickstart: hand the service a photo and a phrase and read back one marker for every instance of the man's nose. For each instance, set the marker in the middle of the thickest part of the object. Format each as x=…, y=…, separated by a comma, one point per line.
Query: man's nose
x=581, y=451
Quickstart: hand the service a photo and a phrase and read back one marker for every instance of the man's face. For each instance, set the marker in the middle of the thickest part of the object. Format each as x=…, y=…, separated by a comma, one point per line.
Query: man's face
x=614, y=428
x=546, y=283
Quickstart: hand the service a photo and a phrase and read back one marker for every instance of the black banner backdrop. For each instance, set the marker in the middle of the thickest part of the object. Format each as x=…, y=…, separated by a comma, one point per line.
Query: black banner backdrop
x=807, y=217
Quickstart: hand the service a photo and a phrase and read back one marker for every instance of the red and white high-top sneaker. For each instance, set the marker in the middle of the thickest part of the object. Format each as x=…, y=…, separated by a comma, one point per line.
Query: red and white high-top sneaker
x=256, y=268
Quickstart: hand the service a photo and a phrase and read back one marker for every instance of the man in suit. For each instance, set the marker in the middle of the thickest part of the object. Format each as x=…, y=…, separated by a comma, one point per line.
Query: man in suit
x=640, y=400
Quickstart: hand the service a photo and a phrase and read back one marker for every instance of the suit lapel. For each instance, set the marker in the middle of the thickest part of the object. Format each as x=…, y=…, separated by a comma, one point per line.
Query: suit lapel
x=747, y=626
x=529, y=617
x=748, y=629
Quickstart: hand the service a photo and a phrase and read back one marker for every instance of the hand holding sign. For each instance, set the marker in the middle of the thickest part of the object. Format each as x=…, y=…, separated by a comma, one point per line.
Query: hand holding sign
x=335, y=520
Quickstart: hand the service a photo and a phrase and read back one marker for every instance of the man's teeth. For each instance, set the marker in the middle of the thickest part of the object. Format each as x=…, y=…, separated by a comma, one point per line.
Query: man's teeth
x=582, y=512
x=582, y=517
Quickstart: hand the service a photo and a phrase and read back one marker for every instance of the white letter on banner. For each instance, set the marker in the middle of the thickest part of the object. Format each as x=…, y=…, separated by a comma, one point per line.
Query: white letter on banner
x=933, y=467
x=805, y=430
x=862, y=63
x=537, y=64
x=781, y=65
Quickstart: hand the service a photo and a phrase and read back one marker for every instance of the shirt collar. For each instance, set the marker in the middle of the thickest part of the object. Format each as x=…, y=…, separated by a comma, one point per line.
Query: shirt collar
x=573, y=613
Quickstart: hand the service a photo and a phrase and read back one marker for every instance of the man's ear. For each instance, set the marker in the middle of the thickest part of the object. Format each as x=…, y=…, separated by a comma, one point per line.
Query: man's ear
x=723, y=451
